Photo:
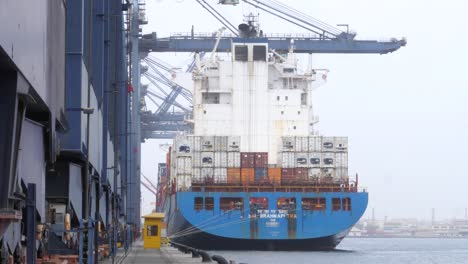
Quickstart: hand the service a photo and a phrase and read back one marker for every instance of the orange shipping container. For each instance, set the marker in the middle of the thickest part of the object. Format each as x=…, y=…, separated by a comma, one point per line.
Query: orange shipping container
x=233, y=175
x=247, y=175
x=274, y=175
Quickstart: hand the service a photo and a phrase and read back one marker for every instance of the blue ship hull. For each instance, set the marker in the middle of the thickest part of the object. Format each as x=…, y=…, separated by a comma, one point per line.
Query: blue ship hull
x=267, y=228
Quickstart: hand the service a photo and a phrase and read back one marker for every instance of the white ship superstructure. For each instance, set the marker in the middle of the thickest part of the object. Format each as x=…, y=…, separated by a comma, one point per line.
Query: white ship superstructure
x=253, y=124
x=258, y=96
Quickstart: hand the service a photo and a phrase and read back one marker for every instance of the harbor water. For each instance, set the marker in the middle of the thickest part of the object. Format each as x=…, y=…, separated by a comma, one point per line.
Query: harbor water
x=367, y=251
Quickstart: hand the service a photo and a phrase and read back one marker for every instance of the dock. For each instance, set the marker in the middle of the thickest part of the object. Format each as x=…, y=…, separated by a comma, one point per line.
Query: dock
x=165, y=255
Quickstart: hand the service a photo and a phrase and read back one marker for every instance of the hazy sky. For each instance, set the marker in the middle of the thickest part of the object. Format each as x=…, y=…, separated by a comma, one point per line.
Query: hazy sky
x=405, y=113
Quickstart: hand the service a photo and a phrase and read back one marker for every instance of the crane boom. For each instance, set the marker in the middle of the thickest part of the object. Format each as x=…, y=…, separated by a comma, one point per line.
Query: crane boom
x=188, y=43
x=325, y=38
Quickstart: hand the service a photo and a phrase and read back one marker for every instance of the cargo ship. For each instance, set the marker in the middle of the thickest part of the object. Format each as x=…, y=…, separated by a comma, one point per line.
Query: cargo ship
x=254, y=174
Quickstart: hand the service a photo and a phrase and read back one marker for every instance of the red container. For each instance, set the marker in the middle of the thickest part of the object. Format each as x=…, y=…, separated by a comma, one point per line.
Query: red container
x=287, y=176
x=301, y=173
x=294, y=176
x=247, y=159
x=261, y=159
x=168, y=162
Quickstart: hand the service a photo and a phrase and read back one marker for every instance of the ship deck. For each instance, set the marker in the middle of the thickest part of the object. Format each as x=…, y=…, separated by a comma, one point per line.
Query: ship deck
x=272, y=188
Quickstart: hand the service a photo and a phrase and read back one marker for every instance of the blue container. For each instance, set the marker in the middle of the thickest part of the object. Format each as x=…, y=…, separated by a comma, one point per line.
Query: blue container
x=261, y=174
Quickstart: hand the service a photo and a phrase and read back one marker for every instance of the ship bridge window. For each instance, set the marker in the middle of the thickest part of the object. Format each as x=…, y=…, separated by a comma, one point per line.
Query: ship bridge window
x=288, y=70
x=314, y=204
x=336, y=204
x=286, y=203
x=209, y=203
x=258, y=203
x=241, y=53
x=210, y=98
x=346, y=204
x=231, y=203
x=198, y=203
x=259, y=53
x=328, y=161
x=303, y=99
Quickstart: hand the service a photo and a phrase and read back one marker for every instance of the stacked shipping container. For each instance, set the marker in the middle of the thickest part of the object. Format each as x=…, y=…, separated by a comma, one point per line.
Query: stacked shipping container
x=324, y=158
x=206, y=159
x=217, y=160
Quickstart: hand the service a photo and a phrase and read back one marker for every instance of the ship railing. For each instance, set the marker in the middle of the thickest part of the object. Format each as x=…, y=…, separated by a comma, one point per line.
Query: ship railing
x=268, y=187
x=272, y=36
x=211, y=35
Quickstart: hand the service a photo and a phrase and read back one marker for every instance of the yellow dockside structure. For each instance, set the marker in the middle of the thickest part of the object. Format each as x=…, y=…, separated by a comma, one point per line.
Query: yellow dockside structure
x=152, y=230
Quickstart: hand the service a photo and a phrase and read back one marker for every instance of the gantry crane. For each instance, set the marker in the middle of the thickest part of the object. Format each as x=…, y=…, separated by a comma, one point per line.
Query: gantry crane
x=321, y=38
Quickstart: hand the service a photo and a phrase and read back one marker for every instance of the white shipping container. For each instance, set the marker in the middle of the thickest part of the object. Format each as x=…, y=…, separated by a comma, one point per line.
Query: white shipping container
x=302, y=160
x=196, y=160
x=301, y=144
x=340, y=180
x=196, y=172
x=184, y=182
x=220, y=143
x=315, y=144
x=328, y=159
x=341, y=172
x=288, y=144
x=233, y=160
x=220, y=159
x=304, y=144
x=234, y=143
x=220, y=175
x=207, y=159
x=327, y=172
x=341, y=144
x=328, y=144
x=196, y=143
x=207, y=143
x=183, y=146
x=184, y=165
x=315, y=159
x=314, y=172
x=288, y=159
x=206, y=173
x=341, y=159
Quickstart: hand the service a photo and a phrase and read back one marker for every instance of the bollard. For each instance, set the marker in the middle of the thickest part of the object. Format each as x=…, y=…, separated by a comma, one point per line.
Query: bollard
x=181, y=249
x=195, y=253
x=219, y=259
x=205, y=256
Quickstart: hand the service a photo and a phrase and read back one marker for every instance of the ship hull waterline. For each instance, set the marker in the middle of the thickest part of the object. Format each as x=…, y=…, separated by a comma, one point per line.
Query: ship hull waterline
x=207, y=235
